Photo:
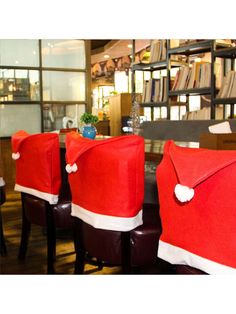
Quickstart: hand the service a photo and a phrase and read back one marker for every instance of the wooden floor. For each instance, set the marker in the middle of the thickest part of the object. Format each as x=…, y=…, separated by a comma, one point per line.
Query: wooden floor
x=35, y=262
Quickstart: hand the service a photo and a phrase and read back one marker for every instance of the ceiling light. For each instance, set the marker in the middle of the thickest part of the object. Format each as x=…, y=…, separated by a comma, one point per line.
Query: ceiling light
x=106, y=56
x=129, y=46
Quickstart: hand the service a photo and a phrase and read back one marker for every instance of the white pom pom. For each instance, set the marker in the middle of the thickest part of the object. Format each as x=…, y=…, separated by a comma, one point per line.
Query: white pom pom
x=183, y=193
x=15, y=156
x=72, y=168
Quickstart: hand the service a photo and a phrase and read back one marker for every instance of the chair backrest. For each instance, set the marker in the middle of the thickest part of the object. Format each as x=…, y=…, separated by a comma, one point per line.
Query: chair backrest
x=37, y=164
x=197, y=191
x=107, y=180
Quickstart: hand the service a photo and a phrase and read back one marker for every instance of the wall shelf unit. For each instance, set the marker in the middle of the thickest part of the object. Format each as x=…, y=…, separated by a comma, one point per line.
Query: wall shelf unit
x=188, y=52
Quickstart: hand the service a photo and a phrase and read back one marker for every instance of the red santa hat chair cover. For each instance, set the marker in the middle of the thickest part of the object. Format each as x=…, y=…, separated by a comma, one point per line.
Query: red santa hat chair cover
x=37, y=164
x=197, y=206
x=38, y=177
x=107, y=180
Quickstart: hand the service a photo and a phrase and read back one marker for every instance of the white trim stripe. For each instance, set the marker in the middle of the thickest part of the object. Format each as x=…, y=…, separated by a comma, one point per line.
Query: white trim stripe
x=2, y=182
x=51, y=198
x=107, y=222
x=177, y=255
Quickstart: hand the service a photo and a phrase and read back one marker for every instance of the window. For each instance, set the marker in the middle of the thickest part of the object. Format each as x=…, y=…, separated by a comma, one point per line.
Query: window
x=59, y=65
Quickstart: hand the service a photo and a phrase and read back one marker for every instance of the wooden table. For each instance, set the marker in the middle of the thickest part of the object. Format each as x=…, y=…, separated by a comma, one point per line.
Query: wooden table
x=153, y=148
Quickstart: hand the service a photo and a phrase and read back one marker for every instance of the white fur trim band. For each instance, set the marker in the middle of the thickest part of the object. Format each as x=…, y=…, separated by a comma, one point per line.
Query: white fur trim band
x=183, y=193
x=176, y=255
x=15, y=156
x=107, y=222
x=51, y=198
x=72, y=168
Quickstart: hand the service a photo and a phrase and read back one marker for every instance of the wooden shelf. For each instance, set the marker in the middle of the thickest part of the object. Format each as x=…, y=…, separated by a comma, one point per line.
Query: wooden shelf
x=194, y=48
x=226, y=53
x=224, y=101
x=155, y=66
x=153, y=104
x=149, y=66
x=192, y=91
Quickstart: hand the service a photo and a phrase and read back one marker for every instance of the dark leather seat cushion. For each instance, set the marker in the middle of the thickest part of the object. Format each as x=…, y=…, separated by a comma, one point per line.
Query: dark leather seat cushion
x=35, y=212
x=106, y=244
x=188, y=270
x=144, y=239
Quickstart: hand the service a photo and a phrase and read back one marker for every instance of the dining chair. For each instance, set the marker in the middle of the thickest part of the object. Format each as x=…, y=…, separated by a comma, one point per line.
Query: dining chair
x=196, y=190
x=44, y=200
x=107, y=185
x=2, y=201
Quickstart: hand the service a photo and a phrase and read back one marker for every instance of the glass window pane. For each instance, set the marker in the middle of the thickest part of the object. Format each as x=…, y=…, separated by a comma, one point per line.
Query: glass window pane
x=13, y=118
x=61, y=116
x=62, y=53
x=19, y=85
x=63, y=86
x=19, y=52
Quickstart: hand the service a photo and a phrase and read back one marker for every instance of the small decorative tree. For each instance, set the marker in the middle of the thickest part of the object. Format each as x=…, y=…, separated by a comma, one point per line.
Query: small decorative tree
x=88, y=118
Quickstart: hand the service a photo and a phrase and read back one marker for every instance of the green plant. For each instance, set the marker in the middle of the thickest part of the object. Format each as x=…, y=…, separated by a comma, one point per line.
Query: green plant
x=88, y=118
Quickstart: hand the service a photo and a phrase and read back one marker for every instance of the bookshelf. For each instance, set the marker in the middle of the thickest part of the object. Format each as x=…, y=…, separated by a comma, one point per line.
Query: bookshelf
x=188, y=52
x=228, y=54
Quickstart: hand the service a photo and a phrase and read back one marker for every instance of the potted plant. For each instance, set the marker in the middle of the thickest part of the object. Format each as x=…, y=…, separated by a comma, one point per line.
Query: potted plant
x=89, y=130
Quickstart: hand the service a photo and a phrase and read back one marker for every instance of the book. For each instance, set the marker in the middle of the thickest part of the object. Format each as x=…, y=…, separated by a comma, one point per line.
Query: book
x=233, y=90
x=227, y=85
x=158, y=50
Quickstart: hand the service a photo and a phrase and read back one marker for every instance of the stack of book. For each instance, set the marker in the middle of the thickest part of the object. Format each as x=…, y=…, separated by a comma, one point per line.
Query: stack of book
x=201, y=114
x=197, y=76
x=155, y=90
x=228, y=88
x=158, y=50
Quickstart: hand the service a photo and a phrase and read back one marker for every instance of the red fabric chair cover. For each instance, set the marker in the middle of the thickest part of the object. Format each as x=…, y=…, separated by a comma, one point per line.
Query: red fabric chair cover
x=199, y=229
x=107, y=180
x=37, y=164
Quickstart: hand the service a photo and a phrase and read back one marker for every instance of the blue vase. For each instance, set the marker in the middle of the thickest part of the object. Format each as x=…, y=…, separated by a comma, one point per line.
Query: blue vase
x=89, y=131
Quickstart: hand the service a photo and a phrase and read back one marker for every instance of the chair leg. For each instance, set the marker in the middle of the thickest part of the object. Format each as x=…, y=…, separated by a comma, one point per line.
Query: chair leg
x=125, y=253
x=2, y=240
x=25, y=232
x=51, y=239
x=79, y=246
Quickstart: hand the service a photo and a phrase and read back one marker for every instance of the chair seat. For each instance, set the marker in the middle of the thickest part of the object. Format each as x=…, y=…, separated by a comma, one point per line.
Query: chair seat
x=35, y=212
